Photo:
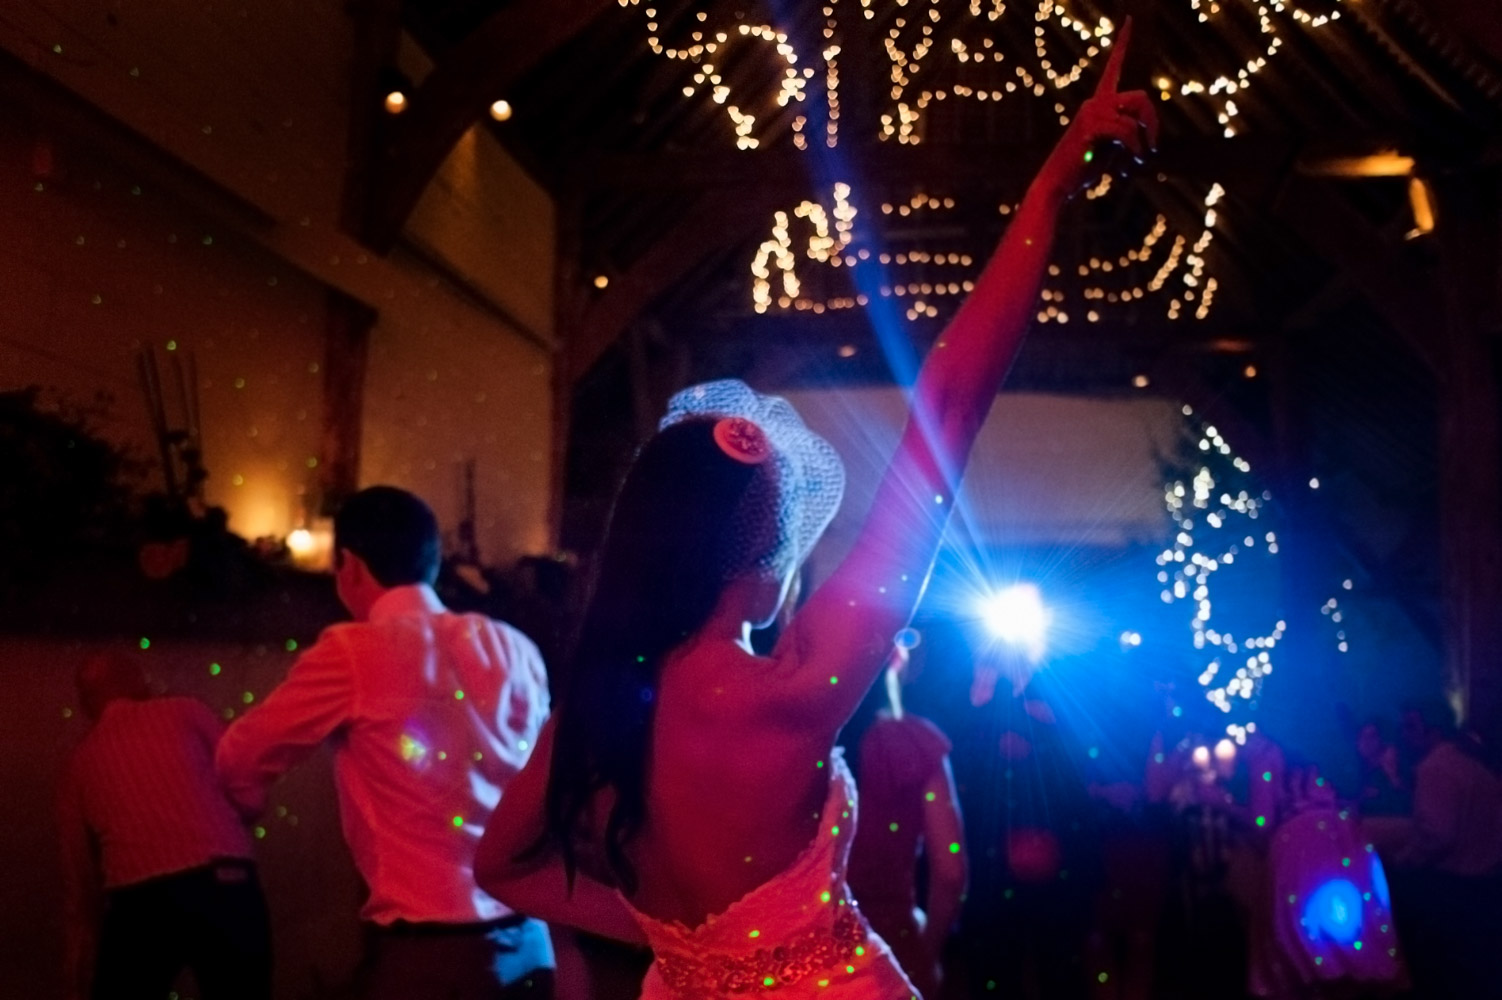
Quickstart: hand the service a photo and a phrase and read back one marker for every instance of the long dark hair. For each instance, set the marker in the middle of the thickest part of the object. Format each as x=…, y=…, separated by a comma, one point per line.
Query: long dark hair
x=667, y=556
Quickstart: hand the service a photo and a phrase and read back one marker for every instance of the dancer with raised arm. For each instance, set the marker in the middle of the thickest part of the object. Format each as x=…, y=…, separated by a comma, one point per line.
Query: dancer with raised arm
x=687, y=790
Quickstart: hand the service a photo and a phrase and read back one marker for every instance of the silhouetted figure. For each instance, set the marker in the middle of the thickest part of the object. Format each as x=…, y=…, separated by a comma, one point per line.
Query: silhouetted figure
x=143, y=820
x=1447, y=878
x=910, y=812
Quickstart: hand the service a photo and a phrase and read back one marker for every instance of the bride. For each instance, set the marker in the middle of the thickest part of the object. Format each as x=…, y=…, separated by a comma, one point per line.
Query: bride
x=685, y=794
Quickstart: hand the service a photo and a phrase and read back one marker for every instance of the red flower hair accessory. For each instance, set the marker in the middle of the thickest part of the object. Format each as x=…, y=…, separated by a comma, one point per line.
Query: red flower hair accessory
x=742, y=440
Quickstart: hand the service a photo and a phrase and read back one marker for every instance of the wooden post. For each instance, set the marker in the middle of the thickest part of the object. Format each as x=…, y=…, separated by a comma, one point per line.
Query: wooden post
x=1470, y=446
x=347, y=326
x=569, y=302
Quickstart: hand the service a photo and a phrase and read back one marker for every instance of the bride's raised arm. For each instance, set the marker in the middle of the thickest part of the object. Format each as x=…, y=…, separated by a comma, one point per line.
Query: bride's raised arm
x=836, y=645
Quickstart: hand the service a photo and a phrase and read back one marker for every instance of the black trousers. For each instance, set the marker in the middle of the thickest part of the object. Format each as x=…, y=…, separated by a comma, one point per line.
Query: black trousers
x=1450, y=927
x=509, y=959
x=211, y=920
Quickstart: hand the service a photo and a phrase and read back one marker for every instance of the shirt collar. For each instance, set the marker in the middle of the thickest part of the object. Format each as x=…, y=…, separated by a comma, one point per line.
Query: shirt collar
x=409, y=599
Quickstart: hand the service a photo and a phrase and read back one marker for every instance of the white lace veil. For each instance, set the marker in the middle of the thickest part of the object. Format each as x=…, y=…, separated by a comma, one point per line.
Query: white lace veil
x=806, y=478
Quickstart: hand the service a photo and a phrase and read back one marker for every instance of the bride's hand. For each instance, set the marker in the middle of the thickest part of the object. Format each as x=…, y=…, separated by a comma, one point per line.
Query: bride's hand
x=1127, y=119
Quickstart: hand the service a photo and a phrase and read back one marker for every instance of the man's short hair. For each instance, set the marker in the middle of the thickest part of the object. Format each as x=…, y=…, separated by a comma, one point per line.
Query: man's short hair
x=393, y=532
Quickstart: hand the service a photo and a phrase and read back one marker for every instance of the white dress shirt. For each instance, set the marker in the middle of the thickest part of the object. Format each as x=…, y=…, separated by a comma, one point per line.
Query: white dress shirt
x=430, y=714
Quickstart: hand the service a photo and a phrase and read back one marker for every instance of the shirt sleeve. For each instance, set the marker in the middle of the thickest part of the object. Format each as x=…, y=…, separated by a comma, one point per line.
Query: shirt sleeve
x=315, y=700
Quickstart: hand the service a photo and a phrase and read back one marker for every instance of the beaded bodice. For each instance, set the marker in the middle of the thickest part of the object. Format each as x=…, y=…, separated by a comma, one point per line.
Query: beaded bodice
x=798, y=934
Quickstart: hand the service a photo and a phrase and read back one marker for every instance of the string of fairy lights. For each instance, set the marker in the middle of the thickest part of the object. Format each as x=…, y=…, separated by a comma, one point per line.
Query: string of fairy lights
x=912, y=39
x=1136, y=273
x=917, y=63
x=1213, y=514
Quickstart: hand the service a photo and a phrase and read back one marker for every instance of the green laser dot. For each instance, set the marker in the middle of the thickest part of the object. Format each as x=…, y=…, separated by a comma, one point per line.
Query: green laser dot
x=1089, y=155
x=954, y=848
x=892, y=827
x=768, y=981
x=1261, y=820
x=929, y=797
x=291, y=645
x=458, y=821
x=145, y=642
x=214, y=669
x=834, y=680
x=458, y=695
x=755, y=934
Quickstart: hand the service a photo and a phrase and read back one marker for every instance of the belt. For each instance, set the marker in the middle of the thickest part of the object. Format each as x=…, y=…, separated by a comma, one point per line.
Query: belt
x=236, y=870
x=423, y=928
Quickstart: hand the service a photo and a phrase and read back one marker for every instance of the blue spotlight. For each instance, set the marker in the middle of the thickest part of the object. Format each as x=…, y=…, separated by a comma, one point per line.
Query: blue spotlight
x=1017, y=616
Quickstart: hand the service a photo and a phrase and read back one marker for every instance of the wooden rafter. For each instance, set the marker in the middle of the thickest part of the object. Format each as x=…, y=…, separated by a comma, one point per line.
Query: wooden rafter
x=1402, y=295
x=708, y=227
x=482, y=68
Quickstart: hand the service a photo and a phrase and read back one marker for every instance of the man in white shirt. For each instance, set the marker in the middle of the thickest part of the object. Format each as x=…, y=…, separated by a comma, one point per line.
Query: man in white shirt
x=1447, y=880
x=147, y=833
x=430, y=715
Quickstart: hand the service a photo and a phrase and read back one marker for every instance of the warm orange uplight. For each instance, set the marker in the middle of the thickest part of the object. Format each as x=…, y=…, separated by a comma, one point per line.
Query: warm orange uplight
x=847, y=351
x=602, y=281
x=1388, y=163
x=1421, y=200
x=1140, y=381
x=396, y=102
x=500, y=110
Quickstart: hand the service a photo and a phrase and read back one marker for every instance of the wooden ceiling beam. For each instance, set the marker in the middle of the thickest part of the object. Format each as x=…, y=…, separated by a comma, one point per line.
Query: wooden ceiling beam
x=485, y=66
x=709, y=226
x=929, y=163
x=1403, y=295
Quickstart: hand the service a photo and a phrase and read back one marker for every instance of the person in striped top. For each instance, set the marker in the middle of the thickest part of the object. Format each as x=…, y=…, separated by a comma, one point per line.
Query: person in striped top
x=157, y=864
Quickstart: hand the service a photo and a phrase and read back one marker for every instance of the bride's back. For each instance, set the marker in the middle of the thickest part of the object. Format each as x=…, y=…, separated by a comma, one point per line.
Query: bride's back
x=733, y=790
